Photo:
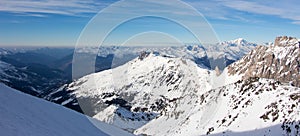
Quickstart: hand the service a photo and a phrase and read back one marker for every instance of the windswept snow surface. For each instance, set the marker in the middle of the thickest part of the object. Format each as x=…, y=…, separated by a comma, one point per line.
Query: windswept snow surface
x=24, y=115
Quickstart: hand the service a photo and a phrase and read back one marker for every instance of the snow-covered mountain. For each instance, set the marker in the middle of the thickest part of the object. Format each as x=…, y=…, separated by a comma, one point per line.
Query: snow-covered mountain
x=237, y=42
x=227, y=52
x=26, y=115
x=161, y=95
x=280, y=61
x=164, y=77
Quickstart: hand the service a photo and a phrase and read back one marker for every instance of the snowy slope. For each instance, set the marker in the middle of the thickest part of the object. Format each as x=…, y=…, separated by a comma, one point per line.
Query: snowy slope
x=252, y=107
x=24, y=115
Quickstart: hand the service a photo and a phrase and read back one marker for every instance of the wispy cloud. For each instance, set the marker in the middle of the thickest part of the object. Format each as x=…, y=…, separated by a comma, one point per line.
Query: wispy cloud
x=39, y=7
x=216, y=9
x=227, y=9
x=296, y=22
x=210, y=8
x=281, y=8
x=32, y=14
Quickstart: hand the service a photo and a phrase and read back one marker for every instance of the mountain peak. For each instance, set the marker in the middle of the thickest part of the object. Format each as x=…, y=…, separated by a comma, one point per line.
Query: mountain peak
x=286, y=41
x=238, y=42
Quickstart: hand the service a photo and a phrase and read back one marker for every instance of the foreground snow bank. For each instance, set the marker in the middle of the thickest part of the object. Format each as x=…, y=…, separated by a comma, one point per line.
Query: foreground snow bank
x=24, y=115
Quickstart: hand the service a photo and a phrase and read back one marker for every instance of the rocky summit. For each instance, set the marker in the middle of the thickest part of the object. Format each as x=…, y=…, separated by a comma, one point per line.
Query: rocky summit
x=280, y=61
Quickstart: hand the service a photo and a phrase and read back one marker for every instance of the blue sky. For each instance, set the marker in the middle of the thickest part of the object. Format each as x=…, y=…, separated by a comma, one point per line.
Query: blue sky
x=59, y=23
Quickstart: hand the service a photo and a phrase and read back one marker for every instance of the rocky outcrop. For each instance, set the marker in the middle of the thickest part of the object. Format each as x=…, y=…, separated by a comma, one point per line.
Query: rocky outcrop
x=217, y=70
x=280, y=62
x=283, y=41
x=143, y=55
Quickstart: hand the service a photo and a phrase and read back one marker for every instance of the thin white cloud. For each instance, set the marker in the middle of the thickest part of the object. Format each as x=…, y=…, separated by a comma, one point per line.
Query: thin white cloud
x=281, y=8
x=37, y=8
x=253, y=7
x=32, y=14
x=228, y=9
x=296, y=22
x=216, y=9
x=210, y=9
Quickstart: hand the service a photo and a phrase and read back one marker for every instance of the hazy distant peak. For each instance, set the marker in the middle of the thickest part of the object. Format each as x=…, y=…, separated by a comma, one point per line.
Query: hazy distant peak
x=238, y=42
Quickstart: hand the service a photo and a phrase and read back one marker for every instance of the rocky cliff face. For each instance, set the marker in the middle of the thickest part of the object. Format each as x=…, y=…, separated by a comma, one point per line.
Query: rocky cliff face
x=280, y=62
x=283, y=41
